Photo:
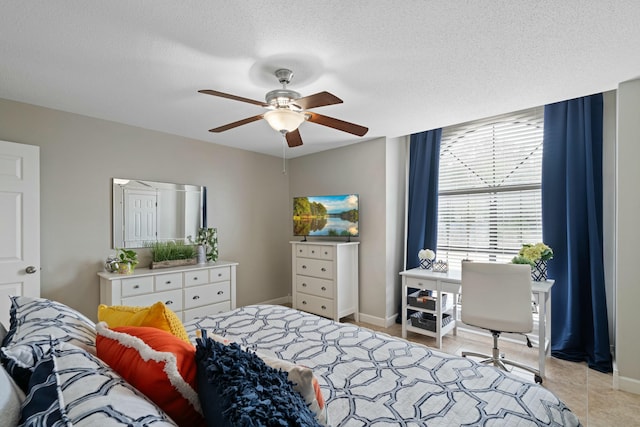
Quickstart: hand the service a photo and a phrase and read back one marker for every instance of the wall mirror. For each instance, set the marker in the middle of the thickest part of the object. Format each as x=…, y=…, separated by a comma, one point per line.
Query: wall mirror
x=149, y=211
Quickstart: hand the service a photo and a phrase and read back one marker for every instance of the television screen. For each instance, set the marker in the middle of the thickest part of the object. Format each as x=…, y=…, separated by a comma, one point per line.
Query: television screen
x=326, y=215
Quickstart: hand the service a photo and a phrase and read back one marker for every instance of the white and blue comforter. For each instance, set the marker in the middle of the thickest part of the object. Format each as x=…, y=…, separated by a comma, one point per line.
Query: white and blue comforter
x=372, y=379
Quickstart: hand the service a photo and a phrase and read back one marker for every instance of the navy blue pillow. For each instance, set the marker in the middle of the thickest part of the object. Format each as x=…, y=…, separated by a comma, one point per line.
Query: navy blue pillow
x=236, y=388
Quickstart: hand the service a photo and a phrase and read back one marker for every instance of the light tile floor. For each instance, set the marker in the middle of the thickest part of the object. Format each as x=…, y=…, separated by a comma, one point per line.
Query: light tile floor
x=587, y=392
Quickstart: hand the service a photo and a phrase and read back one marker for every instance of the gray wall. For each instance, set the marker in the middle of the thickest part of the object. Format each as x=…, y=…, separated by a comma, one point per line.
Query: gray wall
x=248, y=199
x=627, y=372
x=375, y=170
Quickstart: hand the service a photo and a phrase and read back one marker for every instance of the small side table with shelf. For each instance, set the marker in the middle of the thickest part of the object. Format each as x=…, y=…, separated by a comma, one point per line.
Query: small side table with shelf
x=427, y=280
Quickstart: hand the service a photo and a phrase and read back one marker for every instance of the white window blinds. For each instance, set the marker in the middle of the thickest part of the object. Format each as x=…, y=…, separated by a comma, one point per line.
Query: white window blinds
x=489, y=187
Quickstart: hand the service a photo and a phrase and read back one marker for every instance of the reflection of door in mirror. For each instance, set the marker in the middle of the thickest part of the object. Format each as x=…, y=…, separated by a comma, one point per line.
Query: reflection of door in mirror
x=140, y=208
x=147, y=211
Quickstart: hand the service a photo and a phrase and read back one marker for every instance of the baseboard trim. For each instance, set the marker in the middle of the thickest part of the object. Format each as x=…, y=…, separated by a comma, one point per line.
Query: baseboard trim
x=630, y=385
x=377, y=321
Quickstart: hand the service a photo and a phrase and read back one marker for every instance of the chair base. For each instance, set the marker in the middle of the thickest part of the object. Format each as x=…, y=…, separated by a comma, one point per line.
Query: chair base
x=501, y=362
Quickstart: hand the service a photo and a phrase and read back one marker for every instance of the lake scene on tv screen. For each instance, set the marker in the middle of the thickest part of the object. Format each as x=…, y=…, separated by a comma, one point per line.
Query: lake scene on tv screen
x=326, y=215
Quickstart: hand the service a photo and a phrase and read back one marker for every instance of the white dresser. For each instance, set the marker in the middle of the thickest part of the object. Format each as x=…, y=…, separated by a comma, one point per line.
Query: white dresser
x=325, y=278
x=191, y=291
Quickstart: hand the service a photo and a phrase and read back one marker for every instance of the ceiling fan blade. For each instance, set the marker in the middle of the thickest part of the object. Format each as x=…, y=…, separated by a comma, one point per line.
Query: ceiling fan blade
x=337, y=124
x=293, y=138
x=319, y=99
x=234, y=97
x=236, y=124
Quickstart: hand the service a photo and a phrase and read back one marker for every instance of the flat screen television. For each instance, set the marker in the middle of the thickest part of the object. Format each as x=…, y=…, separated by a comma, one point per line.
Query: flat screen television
x=331, y=216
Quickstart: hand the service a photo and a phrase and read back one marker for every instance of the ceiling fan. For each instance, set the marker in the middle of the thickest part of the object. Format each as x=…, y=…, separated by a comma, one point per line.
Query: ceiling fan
x=287, y=110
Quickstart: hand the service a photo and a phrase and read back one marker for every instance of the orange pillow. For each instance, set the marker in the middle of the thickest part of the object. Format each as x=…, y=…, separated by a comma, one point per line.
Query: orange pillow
x=157, y=316
x=158, y=364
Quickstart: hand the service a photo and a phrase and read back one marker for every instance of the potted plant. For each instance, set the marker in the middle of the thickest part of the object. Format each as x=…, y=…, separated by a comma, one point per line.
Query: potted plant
x=536, y=256
x=426, y=257
x=171, y=253
x=127, y=260
x=207, y=239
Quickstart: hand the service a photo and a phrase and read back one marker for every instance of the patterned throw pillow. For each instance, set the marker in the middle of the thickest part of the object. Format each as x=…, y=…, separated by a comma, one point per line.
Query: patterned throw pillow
x=302, y=378
x=157, y=316
x=71, y=387
x=237, y=388
x=34, y=321
x=158, y=364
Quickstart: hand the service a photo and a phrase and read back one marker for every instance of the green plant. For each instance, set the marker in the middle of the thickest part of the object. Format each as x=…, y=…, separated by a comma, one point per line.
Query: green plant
x=529, y=254
x=171, y=250
x=207, y=237
x=127, y=256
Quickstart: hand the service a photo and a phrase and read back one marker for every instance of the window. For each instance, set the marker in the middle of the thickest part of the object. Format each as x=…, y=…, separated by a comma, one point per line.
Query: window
x=489, y=200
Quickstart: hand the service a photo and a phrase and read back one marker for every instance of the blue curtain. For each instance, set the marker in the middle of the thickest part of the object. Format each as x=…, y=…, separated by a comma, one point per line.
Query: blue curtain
x=422, y=215
x=422, y=218
x=572, y=227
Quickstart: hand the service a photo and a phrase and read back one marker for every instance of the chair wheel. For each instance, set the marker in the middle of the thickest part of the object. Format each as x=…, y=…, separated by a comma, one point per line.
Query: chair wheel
x=537, y=379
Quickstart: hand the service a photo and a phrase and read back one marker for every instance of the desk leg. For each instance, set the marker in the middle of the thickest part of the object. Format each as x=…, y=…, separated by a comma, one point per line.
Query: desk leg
x=543, y=315
x=403, y=312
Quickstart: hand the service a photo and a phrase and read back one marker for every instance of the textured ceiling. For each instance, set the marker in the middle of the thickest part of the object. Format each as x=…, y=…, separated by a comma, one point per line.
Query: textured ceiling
x=400, y=66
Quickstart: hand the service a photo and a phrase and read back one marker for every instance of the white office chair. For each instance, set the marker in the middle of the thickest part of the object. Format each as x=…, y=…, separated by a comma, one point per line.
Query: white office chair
x=497, y=297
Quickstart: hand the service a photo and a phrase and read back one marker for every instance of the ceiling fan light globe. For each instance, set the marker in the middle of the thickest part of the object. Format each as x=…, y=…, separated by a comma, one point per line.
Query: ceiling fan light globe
x=284, y=120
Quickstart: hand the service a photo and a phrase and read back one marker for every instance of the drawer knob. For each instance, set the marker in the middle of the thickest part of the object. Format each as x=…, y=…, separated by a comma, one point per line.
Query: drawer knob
x=326, y=253
x=323, y=269
x=196, y=297
x=168, y=302
x=324, y=307
x=304, y=267
x=168, y=282
x=304, y=285
x=324, y=288
x=219, y=274
x=313, y=252
x=304, y=303
x=195, y=278
x=136, y=286
x=220, y=292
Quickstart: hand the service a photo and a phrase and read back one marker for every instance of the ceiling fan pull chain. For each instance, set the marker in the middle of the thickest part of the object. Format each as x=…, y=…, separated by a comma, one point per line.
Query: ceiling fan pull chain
x=284, y=154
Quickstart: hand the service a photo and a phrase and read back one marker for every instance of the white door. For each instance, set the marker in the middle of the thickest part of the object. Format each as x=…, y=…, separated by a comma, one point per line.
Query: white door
x=19, y=223
x=141, y=217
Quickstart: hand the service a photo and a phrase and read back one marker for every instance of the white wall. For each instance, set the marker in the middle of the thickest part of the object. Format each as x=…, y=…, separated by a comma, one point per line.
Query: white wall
x=248, y=199
x=627, y=370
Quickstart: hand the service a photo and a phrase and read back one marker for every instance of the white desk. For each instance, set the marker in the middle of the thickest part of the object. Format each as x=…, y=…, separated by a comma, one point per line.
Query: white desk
x=450, y=283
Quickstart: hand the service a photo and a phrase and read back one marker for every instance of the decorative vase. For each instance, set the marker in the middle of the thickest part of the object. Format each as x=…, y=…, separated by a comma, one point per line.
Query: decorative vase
x=426, y=264
x=202, y=254
x=539, y=271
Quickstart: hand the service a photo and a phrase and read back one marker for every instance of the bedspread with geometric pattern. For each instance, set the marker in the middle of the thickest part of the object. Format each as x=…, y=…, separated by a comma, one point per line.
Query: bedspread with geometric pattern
x=369, y=378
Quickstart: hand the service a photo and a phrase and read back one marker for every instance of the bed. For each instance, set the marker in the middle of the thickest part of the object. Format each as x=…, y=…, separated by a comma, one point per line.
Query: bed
x=366, y=378
x=373, y=379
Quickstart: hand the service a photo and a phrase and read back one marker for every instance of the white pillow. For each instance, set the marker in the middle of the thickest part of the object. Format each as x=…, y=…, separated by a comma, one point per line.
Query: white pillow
x=11, y=397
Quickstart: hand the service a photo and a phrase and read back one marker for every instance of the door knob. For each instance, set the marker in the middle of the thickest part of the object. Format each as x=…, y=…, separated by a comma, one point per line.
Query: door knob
x=30, y=270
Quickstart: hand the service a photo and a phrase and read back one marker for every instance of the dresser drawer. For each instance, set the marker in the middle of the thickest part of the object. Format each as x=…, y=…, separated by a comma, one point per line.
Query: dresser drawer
x=315, y=305
x=219, y=274
x=320, y=251
x=314, y=267
x=208, y=310
x=165, y=282
x=208, y=294
x=172, y=299
x=137, y=285
x=413, y=282
x=315, y=286
x=198, y=277
x=302, y=250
